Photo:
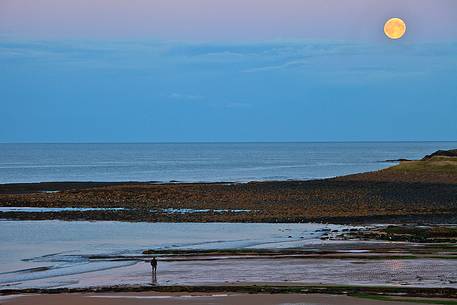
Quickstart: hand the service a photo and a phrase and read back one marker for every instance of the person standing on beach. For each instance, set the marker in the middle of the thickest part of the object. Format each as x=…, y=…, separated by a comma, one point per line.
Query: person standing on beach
x=154, y=270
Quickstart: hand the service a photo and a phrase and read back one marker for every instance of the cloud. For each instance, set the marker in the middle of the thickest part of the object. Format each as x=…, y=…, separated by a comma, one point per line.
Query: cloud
x=238, y=105
x=283, y=66
x=185, y=97
x=190, y=59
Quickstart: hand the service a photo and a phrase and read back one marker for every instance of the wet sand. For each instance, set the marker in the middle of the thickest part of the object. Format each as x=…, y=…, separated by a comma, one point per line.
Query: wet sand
x=192, y=299
x=102, y=254
x=355, y=269
x=389, y=273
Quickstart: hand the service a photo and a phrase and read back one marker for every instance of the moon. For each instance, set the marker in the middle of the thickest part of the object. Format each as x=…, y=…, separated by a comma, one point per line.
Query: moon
x=395, y=28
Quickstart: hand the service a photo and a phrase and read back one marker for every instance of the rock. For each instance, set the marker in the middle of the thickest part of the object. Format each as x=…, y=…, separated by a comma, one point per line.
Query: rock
x=396, y=160
x=441, y=153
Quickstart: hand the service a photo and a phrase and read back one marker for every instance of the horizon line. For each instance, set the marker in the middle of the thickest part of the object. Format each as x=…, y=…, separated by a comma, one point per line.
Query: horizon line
x=239, y=142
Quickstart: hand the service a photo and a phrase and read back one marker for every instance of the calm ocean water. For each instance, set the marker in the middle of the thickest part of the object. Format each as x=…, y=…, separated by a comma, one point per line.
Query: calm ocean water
x=199, y=161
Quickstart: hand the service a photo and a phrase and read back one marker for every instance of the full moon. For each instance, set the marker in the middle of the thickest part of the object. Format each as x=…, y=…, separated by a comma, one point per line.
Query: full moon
x=395, y=28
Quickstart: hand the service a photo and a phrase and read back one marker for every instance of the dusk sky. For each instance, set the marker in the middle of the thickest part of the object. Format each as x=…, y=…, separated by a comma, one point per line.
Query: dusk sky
x=239, y=70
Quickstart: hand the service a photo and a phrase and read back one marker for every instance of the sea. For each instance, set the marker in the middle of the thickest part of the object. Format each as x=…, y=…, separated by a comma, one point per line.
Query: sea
x=201, y=162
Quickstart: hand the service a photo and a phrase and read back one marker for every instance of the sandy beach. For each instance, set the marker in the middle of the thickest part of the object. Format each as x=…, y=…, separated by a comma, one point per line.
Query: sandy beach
x=199, y=299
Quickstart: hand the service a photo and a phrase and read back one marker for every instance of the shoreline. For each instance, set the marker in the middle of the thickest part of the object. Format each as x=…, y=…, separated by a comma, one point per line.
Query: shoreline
x=327, y=256
x=426, y=219
x=385, y=196
x=159, y=298
x=254, y=288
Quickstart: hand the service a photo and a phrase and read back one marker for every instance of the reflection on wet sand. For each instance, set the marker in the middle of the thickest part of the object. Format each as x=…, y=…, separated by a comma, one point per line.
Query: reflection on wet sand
x=114, y=254
x=153, y=298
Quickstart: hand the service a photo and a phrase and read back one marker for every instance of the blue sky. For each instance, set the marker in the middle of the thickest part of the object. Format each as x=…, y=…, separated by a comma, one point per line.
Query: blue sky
x=269, y=91
x=58, y=83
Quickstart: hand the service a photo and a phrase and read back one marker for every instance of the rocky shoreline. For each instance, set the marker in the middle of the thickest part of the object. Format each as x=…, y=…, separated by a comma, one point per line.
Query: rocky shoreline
x=333, y=200
x=411, y=192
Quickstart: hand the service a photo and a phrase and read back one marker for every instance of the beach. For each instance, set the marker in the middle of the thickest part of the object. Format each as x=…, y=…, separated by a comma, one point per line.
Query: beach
x=375, y=236
x=200, y=257
x=320, y=182
x=391, y=195
x=201, y=299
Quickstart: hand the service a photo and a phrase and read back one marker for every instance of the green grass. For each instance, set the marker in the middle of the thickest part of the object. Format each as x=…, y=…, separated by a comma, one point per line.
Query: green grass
x=436, y=164
x=396, y=299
